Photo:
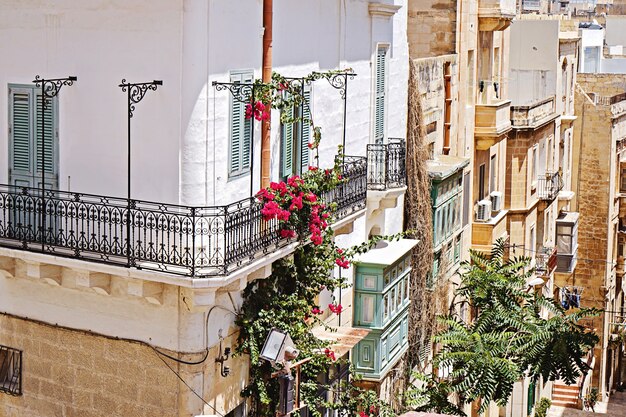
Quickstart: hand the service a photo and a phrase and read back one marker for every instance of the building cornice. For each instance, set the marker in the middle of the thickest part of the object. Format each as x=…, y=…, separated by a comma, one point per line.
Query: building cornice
x=383, y=9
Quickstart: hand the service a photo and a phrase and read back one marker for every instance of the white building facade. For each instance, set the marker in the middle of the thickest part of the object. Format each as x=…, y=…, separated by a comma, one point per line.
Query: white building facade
x=194, y=244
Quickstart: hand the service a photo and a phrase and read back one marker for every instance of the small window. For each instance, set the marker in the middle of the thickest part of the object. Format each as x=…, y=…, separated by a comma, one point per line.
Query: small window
x=367, y=309
x=369, y=282
x=493, y=171
x=385, y=307
x=622, y=182
x=466, y=198
x=481, y=182
x=407, y=295
x=534, y=163
x=533, y=242
x=10, y=370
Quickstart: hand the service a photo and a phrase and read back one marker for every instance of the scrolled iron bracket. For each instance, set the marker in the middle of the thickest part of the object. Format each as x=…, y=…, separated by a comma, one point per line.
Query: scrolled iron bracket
x=50, y=88
x=137, y=91
x=338, y=80
x=240, y=92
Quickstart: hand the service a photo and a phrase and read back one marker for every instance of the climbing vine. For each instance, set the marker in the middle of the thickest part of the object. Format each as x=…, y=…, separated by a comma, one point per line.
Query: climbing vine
x=288, y=298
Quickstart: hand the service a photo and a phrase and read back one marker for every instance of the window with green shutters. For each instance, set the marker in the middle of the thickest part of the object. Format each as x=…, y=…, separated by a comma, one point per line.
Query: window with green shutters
x=295, y=138
x=25, y=129
x=381, y=84
x=240, y=130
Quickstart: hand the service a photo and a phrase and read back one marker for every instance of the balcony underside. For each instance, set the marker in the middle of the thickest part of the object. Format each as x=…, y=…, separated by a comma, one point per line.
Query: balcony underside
x=492, y=124
x=485, y=234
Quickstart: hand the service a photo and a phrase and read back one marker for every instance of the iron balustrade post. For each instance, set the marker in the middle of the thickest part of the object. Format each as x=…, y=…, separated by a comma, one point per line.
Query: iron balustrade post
x=193, y=241
x=135, y=93
x=345, y=114
x=50, y=88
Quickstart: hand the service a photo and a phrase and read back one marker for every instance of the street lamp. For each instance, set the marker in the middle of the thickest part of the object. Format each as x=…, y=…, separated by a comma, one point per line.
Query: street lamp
x=279, y=349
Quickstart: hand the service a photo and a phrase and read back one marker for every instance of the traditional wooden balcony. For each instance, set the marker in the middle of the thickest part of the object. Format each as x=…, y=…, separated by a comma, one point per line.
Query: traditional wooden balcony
x=495, y=14
x=492, y=123
x=533, y=115
x=485, y=234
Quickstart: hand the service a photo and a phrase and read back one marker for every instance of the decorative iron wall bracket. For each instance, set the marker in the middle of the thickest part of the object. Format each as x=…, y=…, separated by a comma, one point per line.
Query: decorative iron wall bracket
x=135, y=93
x=50, y=88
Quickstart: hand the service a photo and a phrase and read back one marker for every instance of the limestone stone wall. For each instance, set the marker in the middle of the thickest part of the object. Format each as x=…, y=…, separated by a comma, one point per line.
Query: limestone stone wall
x=431, y=27
x=67, y=373
x=594, y=174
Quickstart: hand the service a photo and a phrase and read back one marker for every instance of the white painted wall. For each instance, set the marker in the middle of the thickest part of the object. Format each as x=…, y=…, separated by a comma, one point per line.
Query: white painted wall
x=590, y=38
x=101, y=42
x=533, y=58
x=180, y=132
x=616, y=30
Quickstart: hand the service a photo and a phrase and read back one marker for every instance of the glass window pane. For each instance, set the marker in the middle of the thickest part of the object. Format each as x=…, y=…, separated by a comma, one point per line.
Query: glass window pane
x=367, y=309
x=385, y=307
x=369, y=282
x=564, y=244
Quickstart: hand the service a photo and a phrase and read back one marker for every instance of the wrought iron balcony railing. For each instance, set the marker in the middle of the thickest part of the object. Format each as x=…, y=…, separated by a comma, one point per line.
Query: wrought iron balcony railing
x=191, y=241
x=549, y=185
x=386, y=164
x=546, y=260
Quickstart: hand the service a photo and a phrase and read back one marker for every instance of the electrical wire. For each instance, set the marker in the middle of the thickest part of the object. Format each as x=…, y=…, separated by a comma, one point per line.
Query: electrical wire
x=206, y=354
x=188, y=386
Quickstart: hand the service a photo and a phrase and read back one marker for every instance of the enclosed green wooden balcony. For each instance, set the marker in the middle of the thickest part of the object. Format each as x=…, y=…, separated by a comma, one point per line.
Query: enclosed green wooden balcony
x=381, y=304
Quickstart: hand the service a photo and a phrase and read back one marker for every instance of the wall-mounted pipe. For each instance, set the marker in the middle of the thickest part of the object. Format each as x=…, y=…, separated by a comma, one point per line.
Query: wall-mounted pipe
x=267, y=77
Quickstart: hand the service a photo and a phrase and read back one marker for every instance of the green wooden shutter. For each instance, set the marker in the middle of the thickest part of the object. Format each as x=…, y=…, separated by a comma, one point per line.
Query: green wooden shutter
x=240, y=131
x=51, y=167
x=235, y=137
x=20, y=144
x=286, y=146
x=379, y=110
x=305, y=136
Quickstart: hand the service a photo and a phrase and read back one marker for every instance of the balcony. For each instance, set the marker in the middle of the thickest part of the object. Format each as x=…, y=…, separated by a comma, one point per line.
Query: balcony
x=549, y=185
x=386, y=175
x=546, y=260
x=567, y=241
x=197, y=242
x=386, y=165
x=485, y=234
x=533, y=115
x=492, y=123
x=495, y=14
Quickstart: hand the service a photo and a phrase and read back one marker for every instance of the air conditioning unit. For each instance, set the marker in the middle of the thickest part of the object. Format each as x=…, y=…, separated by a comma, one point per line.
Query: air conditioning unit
x=496, y=201
x=483, y=211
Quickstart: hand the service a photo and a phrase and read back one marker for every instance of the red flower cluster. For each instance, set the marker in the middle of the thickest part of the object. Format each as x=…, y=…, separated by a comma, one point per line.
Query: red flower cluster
x=341, y=260
x=330, y=354
x=291, y=201
x=271, y=210
x=372, y=412
x=315, y=310
x=260, y=111
x=337, y=309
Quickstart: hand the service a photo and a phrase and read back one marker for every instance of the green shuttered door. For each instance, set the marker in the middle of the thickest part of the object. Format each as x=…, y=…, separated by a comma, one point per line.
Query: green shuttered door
x=25, y=129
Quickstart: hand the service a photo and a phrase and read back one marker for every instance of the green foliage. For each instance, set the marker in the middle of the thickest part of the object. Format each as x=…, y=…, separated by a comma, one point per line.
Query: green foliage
x=542, y=407
x=429, y=394
x=591, y=398
x=286, y=300
x=508, y=337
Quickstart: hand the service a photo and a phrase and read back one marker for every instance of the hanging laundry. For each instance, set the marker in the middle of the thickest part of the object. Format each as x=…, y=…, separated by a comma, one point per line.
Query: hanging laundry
x=564, y=296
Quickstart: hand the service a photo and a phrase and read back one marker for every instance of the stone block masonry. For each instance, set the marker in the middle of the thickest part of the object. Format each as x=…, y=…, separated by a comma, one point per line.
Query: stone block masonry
x=69, y=373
